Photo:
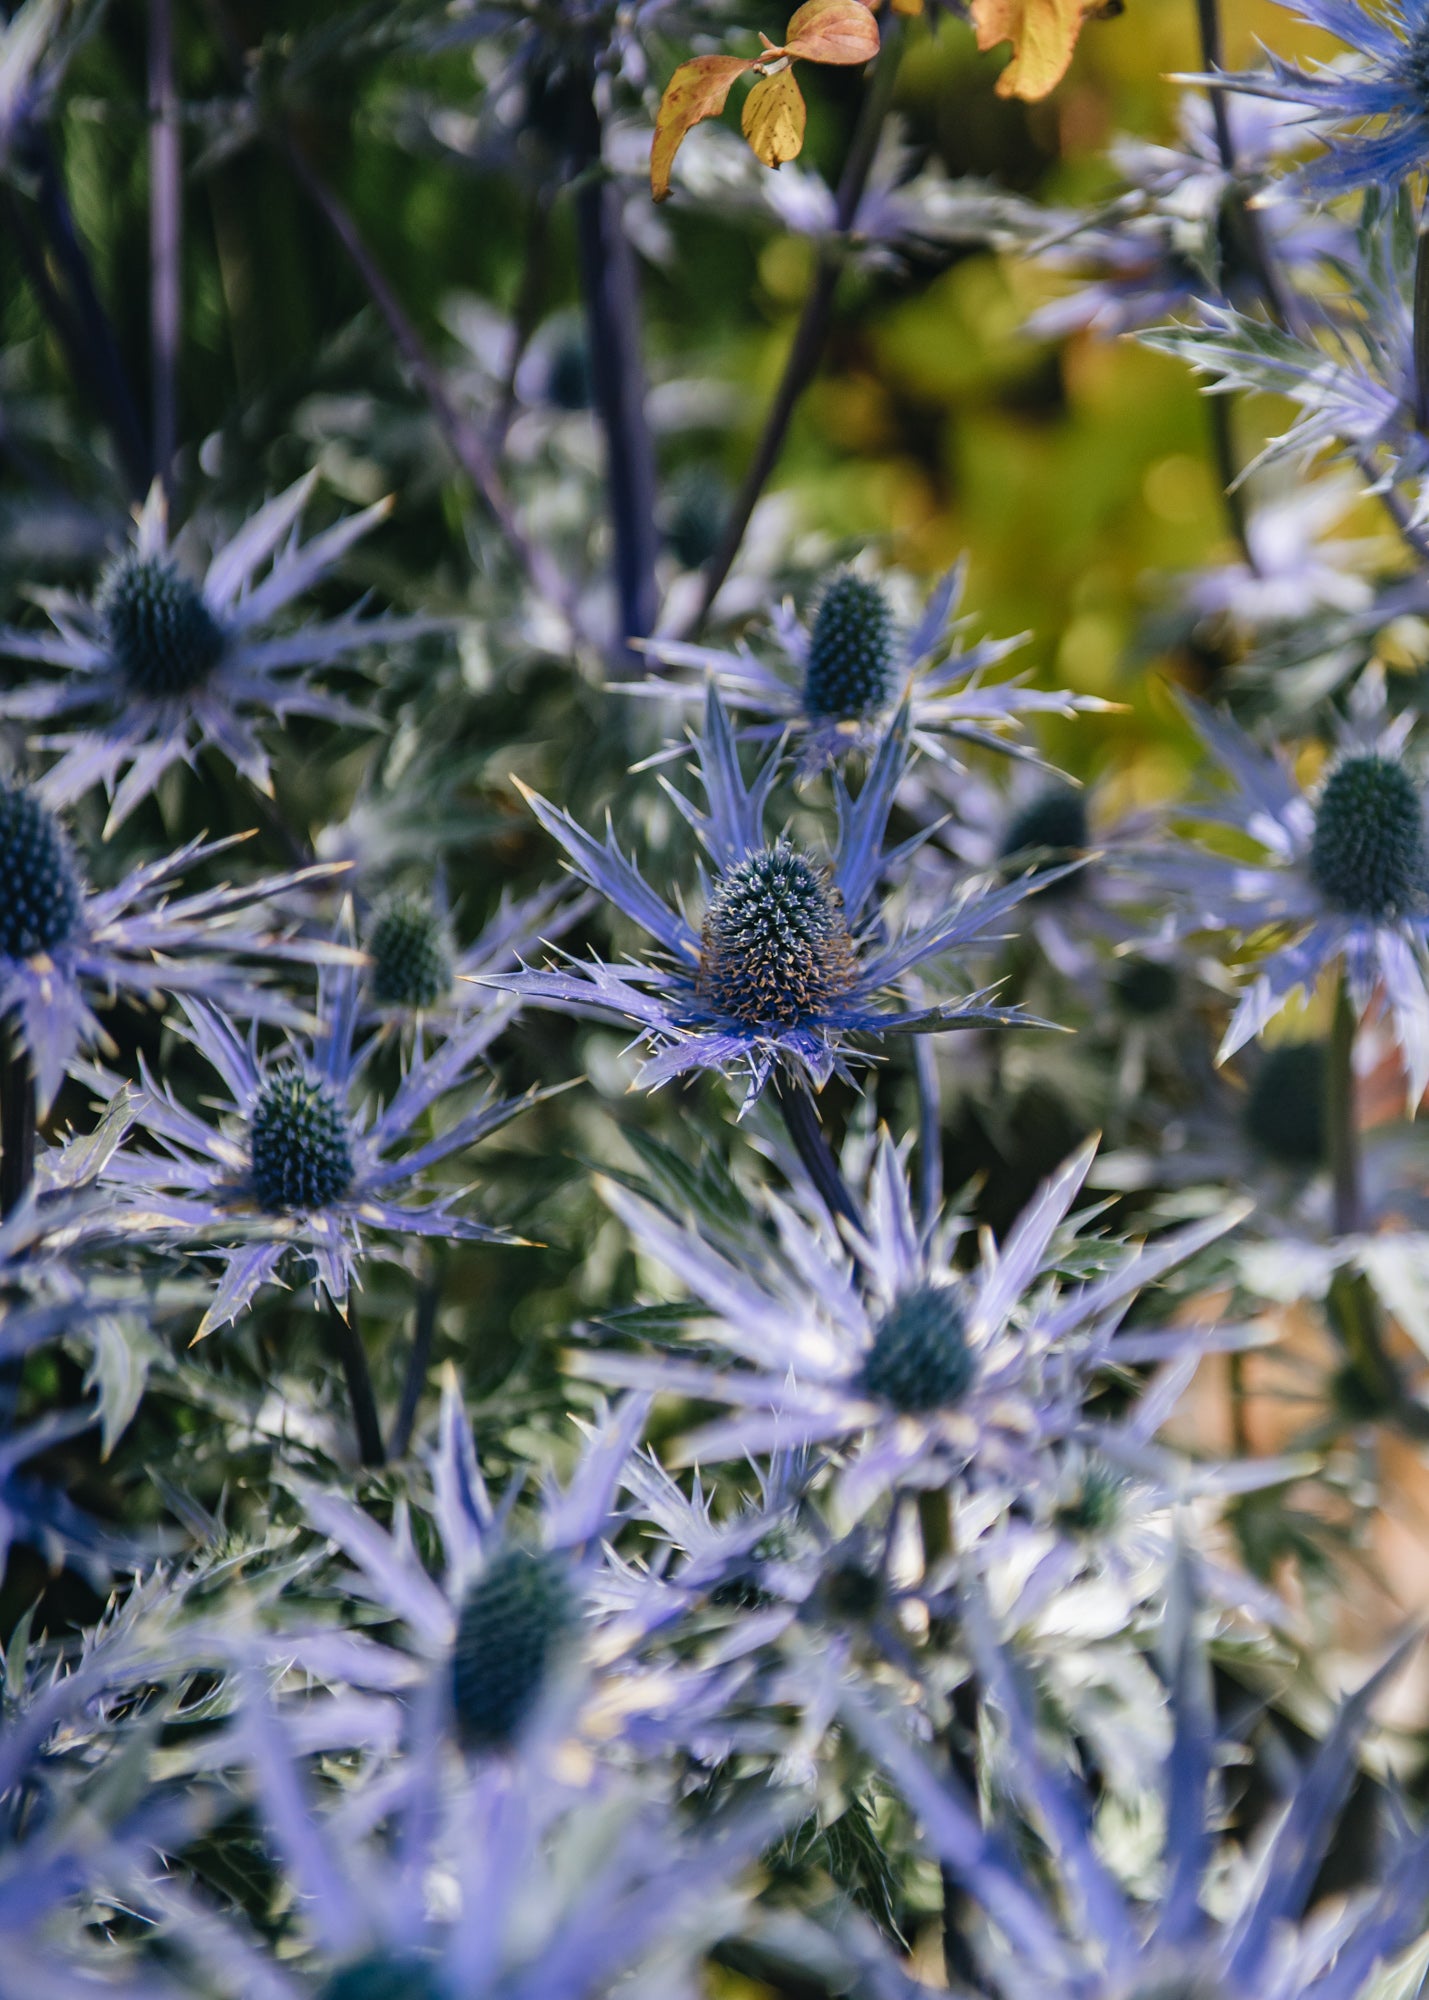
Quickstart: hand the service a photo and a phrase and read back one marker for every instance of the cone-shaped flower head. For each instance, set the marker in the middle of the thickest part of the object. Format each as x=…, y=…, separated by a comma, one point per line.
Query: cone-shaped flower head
x=920, y=1359
x=384, y=1978
x=1368, y=852
x=162, y=636
x=410, y=946
x=512, y=1623
x=1285, y=1107
x=300, y=1144
x=775, y=950
x=852, y=667
x=40, y=897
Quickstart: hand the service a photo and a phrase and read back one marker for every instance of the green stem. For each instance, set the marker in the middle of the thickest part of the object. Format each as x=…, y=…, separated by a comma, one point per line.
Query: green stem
x=1342, y=1125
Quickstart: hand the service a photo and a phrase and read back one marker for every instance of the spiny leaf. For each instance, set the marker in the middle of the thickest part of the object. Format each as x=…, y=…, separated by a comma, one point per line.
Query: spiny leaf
x=832, y=31
x=774, y=118
x=697, y=90
x=1043, y=34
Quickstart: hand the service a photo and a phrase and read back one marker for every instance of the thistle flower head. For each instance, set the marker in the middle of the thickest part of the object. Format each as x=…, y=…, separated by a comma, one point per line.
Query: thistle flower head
x=383, y=1978
x=159, y=664
x=162, y=636
x=1344, y=876
x=329, y=1168
x=1368, y=853
x=1050, y=829
x=300, y=1144
x=920, y=1359
x=411, y=952
x=852, y=668
x=40, y=896
x=1285, y=1107
x=775, y=949
x=512, y=1623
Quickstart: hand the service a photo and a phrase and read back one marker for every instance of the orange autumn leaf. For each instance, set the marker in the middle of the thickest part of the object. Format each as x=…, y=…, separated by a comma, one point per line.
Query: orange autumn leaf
x=832, y=31
x=697, y=90
x=1043, y=34
x=774, y=118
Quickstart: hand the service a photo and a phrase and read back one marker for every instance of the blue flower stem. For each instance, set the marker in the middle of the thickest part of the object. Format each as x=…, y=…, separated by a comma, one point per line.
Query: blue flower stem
x=1342, y=1125
x=424, y=1330
x=801, y=1120
x=165, y=237
x=610, y=286
x=347, y=1340
x=812, y=331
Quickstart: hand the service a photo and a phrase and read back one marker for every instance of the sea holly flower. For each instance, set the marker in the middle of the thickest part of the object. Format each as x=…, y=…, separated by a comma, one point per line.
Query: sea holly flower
x=1175, y=234
x=1381, y=94
x=416, y=969
x=844, y=677
x=62, y=945
x=1292, y=571
x=1219, y=1920
x=1346, y=365
x=793, y=956
x=519, y=1638
x=882, y=1346
x=168, y=665
x=555, y=1885
x=821, y=31
x=303, y=1163
x=1343, y=879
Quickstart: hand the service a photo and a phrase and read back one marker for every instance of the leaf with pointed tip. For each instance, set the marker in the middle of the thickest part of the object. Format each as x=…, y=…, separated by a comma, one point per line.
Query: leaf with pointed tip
x=1043, y=34
x=774, y=118
x=697, y=90
x=832, y=31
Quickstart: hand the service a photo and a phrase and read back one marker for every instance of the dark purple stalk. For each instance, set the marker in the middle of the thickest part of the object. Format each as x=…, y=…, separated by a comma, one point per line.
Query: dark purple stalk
x=347, y=1341
x=165, y=236
x=610, y=284
x=462, y=436
x=17, y=1171
x=930, y=1130
x=812, y=332
x=83, y=326
x=801, y=1120
x=424, y=1329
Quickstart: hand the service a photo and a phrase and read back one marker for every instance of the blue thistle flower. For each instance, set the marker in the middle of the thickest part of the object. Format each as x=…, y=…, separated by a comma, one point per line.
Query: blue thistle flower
x=793, y=956
x=934, y=1374
x=1381, y=95
x=1220, y=1921
x=165, y=665
x=413, y=958
x=62, y=944
x=1343, y=876
x=841, y=682
x=515, y=1635
x=301, y=1163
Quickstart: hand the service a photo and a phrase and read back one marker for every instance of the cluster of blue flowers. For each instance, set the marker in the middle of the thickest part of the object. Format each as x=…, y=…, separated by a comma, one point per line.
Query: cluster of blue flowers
x=775, y=1394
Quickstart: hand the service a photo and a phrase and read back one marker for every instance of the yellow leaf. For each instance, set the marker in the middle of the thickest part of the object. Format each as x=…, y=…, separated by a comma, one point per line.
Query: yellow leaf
x=832, y=31
x=774, y=115
x=907, y=6
x=697, y=90
x=1043, y=34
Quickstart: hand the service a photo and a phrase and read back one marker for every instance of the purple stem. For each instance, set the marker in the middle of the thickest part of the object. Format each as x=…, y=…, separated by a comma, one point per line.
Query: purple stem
x=165, y=235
